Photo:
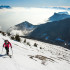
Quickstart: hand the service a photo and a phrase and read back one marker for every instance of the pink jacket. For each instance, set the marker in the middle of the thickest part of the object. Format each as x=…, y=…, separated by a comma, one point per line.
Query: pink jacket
x=7, y=45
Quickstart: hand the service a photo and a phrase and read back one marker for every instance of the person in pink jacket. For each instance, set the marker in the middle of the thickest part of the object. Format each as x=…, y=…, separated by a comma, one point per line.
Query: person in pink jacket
x=7, y=44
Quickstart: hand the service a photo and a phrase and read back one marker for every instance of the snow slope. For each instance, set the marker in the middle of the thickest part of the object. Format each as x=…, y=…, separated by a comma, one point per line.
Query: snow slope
x=28, y=57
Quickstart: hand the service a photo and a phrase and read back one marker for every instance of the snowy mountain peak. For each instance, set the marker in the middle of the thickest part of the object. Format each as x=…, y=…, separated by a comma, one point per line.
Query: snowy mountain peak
x=22, y=28
x=26, y=24
x=59, y=16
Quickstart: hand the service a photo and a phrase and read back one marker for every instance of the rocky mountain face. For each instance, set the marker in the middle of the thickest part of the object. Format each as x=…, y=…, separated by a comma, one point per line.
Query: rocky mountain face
x=53, y=31
x=23, y=28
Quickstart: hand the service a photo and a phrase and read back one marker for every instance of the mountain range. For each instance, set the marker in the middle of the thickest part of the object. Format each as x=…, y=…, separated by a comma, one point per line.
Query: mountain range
x=58, y=30
x=53, y=31
x=5, y=6
x=58, y=8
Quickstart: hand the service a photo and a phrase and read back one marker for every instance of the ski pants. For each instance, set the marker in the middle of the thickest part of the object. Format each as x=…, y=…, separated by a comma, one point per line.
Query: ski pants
x=7, y=50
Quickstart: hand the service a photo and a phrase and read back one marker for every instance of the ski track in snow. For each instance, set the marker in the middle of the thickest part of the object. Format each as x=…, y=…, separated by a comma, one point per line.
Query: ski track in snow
x=58, y=58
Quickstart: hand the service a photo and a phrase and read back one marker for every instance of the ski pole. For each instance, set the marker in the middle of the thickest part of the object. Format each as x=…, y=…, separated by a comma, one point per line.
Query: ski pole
x=2, y=50
x=12, y=51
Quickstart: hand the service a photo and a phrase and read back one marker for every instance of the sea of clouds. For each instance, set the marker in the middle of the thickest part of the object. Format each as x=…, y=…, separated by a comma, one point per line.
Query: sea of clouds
x=16, y=15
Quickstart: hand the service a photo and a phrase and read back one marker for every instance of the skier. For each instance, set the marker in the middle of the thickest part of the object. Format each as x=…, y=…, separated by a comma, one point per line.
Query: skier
x=7, y=44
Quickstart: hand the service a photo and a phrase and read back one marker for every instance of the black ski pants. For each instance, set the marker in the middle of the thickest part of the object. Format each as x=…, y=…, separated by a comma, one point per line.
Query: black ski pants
x=7, y=50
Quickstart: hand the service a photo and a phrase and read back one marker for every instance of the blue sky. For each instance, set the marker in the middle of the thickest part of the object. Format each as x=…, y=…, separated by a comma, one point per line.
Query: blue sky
x=35, y=3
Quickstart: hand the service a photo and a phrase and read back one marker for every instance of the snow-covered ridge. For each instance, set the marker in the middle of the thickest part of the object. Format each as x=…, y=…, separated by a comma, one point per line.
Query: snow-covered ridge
x=63, y=13
x=59, y=16
x=25, y=57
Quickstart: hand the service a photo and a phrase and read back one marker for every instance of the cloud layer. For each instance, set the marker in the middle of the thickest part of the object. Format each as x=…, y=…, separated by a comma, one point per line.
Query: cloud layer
x=16, y=15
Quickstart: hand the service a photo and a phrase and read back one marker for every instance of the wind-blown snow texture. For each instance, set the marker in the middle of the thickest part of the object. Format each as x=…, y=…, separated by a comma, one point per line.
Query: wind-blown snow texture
x=28, y=57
